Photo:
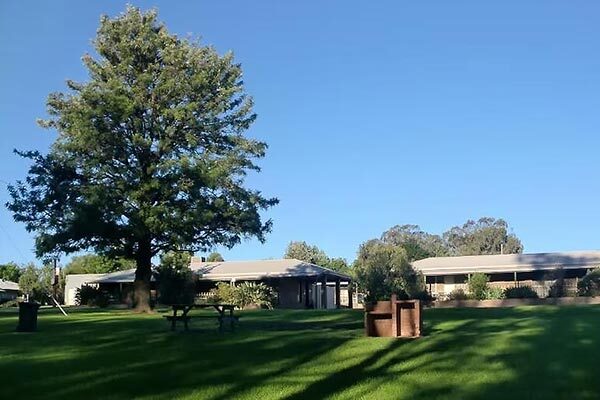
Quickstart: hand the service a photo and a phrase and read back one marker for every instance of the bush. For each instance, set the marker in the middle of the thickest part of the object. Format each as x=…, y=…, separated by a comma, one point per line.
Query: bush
x=223, y=293
x=478, y=286
x=521, y=292
x=254, y=295
x=494, y=293
x=91, y=296
x=457, y=294
x=246, y=295
x=589, y=285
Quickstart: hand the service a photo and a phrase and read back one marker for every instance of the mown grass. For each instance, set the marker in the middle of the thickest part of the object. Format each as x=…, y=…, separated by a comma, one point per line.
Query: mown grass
x=523, y=353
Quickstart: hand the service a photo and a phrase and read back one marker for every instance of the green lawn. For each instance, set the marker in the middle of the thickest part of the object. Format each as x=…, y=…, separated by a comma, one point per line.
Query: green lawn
x=524, y=353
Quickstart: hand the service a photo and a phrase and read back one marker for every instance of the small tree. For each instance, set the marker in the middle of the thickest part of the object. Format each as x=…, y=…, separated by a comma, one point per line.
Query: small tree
x=29, y=282
x=175, y=279
x=382, y=269
x=215, y=257
x=478, y=286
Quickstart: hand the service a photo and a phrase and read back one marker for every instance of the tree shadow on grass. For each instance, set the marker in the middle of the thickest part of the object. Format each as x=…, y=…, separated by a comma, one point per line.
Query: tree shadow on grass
x=136, y=357
x=532, y=352
x=546, y=353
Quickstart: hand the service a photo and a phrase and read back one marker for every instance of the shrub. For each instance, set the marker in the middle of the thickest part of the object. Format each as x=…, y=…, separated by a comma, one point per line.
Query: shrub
x=457, y=294
x=254, y=295
x=91, y=296
x=478, y=286
x=175, y=279
x=520, y=292
x=589, y=285
x=245, y=295
x=494, y=293
x=223, y=293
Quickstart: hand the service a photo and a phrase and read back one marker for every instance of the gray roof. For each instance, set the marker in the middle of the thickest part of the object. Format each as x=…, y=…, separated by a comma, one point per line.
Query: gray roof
x=8, y=285
x=260, y=269
x=125, y=276
x=76, y=280
x=239, y=270
x=507, y=263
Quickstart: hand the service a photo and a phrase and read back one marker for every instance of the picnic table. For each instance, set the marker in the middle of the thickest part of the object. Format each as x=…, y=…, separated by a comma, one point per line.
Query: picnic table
x=181, y=313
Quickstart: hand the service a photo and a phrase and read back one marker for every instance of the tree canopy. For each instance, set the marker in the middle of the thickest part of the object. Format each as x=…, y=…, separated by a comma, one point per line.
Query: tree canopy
x=215, y=257
x=96, y=264
x=417, y=243
x=303, y=251
x=151, y=153
x=10, y=272
x=484, y=236
x=382, y=269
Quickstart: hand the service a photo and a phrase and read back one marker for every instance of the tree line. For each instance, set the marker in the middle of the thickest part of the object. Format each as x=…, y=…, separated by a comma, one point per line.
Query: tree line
x=383, y=265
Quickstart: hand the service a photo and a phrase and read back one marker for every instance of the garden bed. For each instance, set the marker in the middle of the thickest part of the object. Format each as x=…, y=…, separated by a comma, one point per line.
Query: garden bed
x=561, y=301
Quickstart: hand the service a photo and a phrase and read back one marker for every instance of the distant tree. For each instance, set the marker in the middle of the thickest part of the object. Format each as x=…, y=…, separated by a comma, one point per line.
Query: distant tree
x=151, y=153
x=36, y=282
x=29, y=280
x=96, y=264
x=301, y=250
x=417, y=243
x=339, y=264
x=484, y=236
x=382, y=269
x=305, y=252
x=215, y=257
x=10, y=272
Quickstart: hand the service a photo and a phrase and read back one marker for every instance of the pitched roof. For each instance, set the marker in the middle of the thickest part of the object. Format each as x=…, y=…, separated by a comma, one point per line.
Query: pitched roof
x=240, y=270
x=507, y=263
x=8, y=285
x=125, y=276
x=259, y=269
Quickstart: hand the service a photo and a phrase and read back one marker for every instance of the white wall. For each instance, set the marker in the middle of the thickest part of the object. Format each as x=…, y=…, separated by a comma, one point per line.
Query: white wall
x=76, y=281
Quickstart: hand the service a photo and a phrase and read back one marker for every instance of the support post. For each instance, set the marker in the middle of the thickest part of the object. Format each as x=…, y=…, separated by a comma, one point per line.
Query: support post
x=324, y=292
x=306, y=294
x=337, y=293
x=350, y=295
x=515, y=277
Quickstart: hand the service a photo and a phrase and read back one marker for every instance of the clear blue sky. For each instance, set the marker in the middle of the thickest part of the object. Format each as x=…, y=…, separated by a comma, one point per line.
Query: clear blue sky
x=376, y=114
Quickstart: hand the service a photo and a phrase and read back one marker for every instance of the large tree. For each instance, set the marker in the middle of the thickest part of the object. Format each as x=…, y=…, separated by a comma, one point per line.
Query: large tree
x=484, y=236
x=417, y=243
x=150, y=155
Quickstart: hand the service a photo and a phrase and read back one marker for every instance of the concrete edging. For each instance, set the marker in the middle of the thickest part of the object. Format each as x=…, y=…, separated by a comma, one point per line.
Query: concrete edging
x=561, y=301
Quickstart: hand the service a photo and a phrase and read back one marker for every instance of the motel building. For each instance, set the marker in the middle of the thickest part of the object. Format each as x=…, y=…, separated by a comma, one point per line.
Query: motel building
x=539, y=270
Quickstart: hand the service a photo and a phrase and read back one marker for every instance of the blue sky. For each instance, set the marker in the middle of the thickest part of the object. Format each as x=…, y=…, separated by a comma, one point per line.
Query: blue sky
x=376, y=114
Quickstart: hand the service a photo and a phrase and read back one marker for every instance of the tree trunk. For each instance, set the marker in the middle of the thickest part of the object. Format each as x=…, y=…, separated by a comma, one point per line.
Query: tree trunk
x=143, y=273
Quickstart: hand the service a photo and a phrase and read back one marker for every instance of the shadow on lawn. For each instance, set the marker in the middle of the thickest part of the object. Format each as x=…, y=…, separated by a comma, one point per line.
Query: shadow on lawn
x=131, y=356
x=535, y=352
x=546, y=353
